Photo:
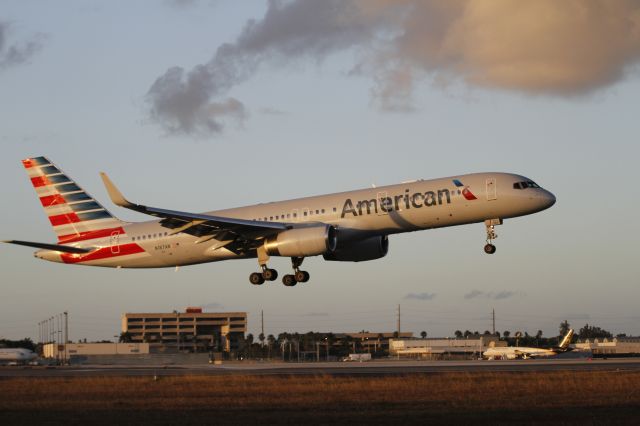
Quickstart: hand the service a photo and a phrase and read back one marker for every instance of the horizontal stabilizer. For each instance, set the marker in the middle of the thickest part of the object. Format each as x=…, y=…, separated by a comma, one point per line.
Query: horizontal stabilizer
x=54, y=247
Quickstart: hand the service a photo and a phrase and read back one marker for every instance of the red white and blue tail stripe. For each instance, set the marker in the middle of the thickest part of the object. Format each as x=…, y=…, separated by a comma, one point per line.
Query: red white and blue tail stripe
x=74, y=214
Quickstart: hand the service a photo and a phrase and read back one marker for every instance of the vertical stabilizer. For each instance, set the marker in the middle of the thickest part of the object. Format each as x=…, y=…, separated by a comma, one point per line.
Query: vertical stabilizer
x=72, y=212
x=564, y=344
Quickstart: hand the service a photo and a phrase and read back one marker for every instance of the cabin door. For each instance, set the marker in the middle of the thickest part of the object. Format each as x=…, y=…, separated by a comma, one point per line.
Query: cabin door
x=492, y=193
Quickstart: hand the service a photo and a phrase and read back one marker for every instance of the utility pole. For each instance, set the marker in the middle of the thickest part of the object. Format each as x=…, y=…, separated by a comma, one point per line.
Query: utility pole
x=66, y=336
x=494, y=321
x=262, y=322
x=398, y=321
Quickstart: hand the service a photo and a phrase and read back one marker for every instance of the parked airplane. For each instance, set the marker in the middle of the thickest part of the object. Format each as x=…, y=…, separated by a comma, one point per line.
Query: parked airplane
x=349, y=226
x=16, y=355
x=512, y=352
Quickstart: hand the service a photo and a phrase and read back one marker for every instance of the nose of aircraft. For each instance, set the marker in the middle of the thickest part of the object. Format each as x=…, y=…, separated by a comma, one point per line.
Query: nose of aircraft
x=548, y=199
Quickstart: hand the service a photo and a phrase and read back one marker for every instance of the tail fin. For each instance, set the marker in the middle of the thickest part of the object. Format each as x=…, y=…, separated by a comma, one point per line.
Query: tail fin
x=564, y=344
x=74, y=214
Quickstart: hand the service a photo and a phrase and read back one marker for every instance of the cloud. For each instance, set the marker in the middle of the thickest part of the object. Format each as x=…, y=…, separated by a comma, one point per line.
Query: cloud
x=17, y=53
x=420, y=296
x=542, y=47
x=500, y=295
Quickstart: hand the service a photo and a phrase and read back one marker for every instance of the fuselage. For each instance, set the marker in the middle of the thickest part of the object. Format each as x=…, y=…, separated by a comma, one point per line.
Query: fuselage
x=16, y=354
x=356, y=215
x=517, y=352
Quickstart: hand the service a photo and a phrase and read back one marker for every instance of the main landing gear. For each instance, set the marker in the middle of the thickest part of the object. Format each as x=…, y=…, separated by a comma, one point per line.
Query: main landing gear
x=298, y=275
x=258, y=278
x=267, y=274
x=490, y=225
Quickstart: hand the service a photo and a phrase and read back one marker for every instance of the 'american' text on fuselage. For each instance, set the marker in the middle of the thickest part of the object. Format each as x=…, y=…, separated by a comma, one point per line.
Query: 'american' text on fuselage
x=397, y=202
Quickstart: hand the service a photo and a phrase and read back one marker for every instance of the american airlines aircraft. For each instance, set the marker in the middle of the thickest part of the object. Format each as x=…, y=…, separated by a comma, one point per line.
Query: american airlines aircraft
x=350, y=226
x=512, y=352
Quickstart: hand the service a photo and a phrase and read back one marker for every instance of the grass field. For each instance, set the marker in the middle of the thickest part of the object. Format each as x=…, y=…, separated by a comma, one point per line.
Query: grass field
x=452, y=398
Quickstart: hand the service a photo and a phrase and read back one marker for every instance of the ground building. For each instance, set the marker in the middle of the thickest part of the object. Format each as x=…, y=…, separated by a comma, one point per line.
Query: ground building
x=440, y=348
x=61, y=351
x=618, y=346
x=189, y=331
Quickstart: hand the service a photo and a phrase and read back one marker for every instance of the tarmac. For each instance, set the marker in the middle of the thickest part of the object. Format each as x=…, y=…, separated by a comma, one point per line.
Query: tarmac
x=373, y=368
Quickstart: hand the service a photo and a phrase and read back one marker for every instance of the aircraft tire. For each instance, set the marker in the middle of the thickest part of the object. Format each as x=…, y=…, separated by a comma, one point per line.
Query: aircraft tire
x=289, y=280
x=270, y=274
x=302, y=276
x=256, y=278
x=489, y=249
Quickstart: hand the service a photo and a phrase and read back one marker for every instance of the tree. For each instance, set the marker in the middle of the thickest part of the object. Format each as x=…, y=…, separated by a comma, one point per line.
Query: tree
x=125, y=337
x=261, y=338
x=249, y=339
x=506, y=334
x=593, y=332
x=458, y=334
x=564, y=327
x=423, y=334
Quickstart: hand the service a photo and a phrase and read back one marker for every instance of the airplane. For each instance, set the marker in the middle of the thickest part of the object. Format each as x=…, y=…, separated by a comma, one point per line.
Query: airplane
x=512, y=352
x=16, y=355
x=349, y=226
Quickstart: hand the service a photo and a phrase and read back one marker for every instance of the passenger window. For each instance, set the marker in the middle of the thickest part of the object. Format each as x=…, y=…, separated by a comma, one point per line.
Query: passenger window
x=270, y=217
x=322, y=211
x=317, y=211
x=305, y=213
x=334, y=209
x=295, y=215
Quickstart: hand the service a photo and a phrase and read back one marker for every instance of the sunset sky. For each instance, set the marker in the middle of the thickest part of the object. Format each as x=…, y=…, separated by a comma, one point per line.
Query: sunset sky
x=200, y=105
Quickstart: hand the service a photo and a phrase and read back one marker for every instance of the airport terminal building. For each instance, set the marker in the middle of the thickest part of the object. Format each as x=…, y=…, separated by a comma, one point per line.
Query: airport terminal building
x=189, y=331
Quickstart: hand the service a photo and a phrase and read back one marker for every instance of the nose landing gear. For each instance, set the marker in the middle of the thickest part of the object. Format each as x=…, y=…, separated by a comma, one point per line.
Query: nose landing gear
x=490, y=224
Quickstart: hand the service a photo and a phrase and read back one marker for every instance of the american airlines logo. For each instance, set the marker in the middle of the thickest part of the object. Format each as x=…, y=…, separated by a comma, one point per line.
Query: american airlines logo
x=405, y=201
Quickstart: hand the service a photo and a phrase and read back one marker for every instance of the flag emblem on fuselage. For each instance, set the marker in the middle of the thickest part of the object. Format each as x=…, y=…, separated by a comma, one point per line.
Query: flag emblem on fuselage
x=466, y=192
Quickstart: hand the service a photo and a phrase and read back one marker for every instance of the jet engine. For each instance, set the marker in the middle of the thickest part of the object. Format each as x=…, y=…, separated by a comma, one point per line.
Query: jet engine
x=360, y=251
x=301, y=242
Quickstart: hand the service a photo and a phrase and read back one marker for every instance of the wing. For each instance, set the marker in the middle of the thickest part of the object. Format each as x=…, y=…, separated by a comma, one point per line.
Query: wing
x=237, y=234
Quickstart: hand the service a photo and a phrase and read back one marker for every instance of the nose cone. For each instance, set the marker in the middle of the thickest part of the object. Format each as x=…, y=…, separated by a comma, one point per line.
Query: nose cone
x=548, y=199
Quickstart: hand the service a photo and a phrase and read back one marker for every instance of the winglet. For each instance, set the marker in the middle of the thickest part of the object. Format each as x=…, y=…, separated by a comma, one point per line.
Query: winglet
x=114, y=193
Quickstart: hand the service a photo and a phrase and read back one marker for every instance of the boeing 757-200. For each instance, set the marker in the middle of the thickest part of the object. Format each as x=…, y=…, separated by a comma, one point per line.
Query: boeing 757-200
x=350, y=226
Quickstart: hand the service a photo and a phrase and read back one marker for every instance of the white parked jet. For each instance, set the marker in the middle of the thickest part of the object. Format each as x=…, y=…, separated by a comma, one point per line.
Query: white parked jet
x=349, y=226
x=512, y=352
x=16, y=355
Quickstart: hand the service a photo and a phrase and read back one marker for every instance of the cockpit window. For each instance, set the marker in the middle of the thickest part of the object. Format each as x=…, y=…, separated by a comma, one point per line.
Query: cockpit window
x=525, y=185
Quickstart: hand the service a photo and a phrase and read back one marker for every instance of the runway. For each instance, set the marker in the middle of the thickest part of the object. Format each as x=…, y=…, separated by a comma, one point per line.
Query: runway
x=374, y=368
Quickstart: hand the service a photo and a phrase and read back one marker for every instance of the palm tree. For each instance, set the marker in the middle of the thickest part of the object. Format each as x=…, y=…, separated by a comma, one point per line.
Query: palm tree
x=423, y=334
x=125, y=337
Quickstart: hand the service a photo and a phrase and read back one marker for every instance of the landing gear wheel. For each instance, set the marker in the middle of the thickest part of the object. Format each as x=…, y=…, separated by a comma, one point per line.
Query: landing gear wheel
x=301, y=276
x=270, y=274
x=289, y=280
x=489, y=249
x=256, y=278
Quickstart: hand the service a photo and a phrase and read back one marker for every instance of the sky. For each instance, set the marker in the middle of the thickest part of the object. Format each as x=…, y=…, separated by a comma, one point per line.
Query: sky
x=202, y=105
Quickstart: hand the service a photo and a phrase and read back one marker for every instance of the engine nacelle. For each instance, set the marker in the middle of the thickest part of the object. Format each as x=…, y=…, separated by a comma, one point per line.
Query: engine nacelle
x=360, y=251
x=301, y=242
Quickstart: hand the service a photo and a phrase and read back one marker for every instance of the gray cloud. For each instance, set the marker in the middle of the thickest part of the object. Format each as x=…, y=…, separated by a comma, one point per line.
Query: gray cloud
x=567, y=48
x=420, y=296
x=17, y=53
x=499, y=295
